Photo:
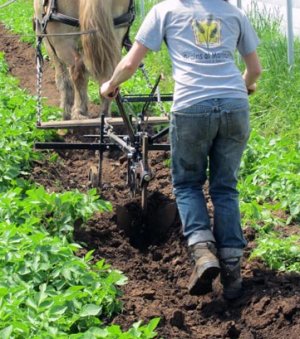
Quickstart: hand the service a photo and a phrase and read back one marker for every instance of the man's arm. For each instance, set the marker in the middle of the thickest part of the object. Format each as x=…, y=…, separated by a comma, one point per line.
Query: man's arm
x=124, y=70
x=252, y=72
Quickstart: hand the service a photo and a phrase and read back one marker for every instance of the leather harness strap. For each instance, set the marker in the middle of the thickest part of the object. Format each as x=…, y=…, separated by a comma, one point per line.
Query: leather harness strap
x=125, y=19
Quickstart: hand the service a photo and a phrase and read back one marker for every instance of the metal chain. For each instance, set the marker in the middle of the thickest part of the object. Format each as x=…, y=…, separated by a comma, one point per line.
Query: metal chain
x=39, y=73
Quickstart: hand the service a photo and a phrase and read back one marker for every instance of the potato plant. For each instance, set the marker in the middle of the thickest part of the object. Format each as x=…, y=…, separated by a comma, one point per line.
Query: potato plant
x=46, y=291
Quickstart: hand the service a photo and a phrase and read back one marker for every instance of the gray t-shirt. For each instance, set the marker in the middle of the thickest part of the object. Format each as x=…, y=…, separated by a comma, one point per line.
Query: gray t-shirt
x=201, y=36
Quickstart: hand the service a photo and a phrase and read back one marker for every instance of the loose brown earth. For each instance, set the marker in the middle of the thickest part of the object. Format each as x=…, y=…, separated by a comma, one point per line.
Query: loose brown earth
x=156, y=260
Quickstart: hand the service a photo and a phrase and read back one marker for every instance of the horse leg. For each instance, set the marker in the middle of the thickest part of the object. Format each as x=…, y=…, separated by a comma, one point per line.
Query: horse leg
x=63, y=83
x=66, y=90
x=79, y=77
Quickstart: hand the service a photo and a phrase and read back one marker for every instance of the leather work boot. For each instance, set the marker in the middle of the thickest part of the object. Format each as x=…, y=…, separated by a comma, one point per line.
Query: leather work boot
x=205, y=270
x=231, y=278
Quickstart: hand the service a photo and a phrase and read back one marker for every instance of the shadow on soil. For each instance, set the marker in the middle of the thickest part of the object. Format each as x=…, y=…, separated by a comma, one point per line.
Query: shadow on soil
x=148, y=229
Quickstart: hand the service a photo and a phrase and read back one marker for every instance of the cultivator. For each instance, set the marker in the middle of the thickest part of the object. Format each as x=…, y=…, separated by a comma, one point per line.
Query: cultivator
x=136, y=143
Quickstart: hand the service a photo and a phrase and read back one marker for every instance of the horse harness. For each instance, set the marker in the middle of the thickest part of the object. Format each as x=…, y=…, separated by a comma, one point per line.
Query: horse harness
x=52, y=14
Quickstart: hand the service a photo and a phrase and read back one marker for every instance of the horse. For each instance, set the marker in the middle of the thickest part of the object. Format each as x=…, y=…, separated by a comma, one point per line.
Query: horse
x=82, y=38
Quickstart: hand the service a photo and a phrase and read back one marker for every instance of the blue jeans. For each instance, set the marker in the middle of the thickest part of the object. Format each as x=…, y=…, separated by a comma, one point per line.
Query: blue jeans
x=209, y=138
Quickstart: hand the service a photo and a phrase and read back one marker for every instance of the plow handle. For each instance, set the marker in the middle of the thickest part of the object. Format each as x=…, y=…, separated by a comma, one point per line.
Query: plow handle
x=125, y=118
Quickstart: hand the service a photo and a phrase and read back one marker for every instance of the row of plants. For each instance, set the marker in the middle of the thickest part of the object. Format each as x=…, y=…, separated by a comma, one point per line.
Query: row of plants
x=46, y=290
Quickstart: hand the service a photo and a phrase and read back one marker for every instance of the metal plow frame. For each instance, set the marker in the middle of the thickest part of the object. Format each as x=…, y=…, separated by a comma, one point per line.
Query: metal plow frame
x=135, y=144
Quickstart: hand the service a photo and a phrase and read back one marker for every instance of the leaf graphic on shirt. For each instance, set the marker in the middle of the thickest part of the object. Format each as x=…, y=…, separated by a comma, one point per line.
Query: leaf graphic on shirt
x=213, y=33
x=200, y=27
x=207, y=32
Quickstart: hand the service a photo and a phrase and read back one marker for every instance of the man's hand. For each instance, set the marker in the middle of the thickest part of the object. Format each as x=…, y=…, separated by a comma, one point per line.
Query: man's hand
x=252, y=72
x=251, y=89
x=108, y=91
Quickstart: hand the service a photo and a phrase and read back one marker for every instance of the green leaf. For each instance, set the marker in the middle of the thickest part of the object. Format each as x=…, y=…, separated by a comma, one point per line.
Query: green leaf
x=153, y=324
x=6, y=332
x=89, y=255
x=57, y=310
x=30, y=302
x=90, y=310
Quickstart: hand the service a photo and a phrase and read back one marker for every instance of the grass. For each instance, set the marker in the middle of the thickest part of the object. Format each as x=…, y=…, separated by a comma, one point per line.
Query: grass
x=270, y=180
x=274, y=108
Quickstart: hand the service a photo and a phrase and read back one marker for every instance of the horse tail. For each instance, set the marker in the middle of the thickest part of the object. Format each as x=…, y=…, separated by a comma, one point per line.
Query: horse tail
x=101, y=49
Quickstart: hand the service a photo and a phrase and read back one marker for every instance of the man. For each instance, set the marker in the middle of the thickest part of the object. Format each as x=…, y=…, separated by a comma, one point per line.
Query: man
x=209, y=125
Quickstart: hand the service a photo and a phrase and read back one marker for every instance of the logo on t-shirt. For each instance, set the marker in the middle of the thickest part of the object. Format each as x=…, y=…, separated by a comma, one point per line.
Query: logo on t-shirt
x=207, y=32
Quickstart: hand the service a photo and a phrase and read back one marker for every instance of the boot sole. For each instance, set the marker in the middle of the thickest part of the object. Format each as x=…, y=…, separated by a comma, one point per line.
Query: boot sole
x=202, y=277
x=231, y=295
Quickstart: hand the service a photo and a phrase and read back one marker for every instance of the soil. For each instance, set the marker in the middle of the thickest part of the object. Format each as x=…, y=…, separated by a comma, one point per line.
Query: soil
x=156, y=260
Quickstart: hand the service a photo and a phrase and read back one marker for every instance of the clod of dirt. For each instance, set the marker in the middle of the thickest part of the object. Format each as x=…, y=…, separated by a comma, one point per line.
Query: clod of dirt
x=233, y=331
x=177, y=319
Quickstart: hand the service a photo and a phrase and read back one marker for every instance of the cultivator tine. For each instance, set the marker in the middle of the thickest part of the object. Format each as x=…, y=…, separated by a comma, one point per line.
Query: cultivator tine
x=146, y=176
x=101, y=150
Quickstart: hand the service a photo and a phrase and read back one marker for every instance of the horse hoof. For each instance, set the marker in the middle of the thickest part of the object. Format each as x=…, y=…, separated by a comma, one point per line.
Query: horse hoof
x=67, y=116
x=94, y=115
x=78, y=116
